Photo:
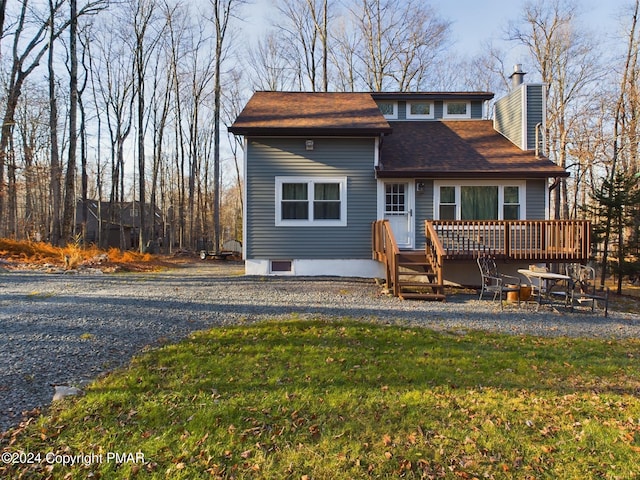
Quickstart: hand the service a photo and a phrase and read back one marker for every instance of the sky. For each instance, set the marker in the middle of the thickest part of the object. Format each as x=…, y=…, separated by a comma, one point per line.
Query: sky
x=474, y=21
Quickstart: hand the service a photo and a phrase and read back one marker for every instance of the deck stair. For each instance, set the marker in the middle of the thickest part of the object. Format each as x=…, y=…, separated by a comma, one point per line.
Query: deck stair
x=417, y=279
x=414, y=274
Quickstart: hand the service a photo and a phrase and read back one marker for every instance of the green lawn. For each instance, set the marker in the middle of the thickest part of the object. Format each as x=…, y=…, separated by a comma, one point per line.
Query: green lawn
x=341, y=400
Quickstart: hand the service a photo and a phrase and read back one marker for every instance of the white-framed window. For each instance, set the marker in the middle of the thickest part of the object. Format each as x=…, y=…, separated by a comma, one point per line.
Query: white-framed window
x=389, y=109
x=479, y=200
x=419, y=109
x=311, y=201
x=457, y=109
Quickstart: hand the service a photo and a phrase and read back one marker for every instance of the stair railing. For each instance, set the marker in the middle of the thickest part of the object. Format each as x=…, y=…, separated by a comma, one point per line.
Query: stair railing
x=434, y=251
x=386, y=250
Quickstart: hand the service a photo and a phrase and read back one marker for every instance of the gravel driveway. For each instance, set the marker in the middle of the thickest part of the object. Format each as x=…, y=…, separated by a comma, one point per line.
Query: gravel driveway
x=68, y=329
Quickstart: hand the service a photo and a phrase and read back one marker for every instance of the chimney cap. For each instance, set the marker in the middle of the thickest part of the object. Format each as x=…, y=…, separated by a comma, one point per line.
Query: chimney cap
x=517, y=77
x=517, y=70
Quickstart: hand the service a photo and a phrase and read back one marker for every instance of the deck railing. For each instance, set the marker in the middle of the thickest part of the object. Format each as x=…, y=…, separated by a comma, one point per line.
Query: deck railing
x=532, y=240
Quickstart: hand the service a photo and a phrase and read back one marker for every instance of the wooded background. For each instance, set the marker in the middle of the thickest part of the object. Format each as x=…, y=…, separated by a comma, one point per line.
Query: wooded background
x=127, y=101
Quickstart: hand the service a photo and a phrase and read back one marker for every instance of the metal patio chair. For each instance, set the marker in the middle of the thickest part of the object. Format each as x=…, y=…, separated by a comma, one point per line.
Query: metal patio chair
x=583, y=288
x=495, y=282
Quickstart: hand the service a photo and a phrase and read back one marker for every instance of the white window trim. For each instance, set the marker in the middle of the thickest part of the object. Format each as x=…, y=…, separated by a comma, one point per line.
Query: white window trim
x=480, y=183
x=394, y=115
x=448, y=115
x=310, y=222
x=412, y=116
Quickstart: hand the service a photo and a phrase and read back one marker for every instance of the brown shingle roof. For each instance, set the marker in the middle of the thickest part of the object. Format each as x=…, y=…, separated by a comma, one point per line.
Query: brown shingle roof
x=302, y=113
x=458, y=149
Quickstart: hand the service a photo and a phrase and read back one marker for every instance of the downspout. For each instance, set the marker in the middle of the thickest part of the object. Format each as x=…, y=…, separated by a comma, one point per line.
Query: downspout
x=552, y=187
x=538, y=128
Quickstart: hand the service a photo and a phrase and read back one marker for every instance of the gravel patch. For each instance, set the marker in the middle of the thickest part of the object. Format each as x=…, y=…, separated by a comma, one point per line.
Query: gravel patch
x=69, y=329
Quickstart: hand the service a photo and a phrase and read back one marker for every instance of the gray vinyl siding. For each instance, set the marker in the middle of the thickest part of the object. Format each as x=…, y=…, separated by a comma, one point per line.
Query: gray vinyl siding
x=402, y=110
x=534, y=113
x=536, y=192
x=332, y=157
x=438, y=109
x=508, y=116
x=424, y=211
x=476, y=110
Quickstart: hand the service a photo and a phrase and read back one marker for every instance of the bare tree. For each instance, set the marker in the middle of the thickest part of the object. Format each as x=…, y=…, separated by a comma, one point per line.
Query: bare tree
x=176, y=28
x=115, y=81
x=33, y=139
x=627, y=102
x=304, y=40
x=68, y=216
x=400, y=41
x=56, y=167
x=344, y=56
x=146, y=40
x=223, y=10
x=268, y=63
x=566, y=59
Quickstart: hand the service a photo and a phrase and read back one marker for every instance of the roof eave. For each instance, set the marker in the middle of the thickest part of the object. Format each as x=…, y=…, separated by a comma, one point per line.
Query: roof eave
x=303, y=132
x=469, y=174
x=432, y=95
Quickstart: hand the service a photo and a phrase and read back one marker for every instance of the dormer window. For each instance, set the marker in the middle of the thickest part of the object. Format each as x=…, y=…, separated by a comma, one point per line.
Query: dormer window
x=419, y=109
x=457, y=109
x=388, y=108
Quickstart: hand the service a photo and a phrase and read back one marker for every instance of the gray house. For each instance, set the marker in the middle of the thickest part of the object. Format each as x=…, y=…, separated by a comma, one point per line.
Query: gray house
x=366, y=184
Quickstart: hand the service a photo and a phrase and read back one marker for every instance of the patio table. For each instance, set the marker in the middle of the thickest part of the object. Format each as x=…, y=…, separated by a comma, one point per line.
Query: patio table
x=547, y=281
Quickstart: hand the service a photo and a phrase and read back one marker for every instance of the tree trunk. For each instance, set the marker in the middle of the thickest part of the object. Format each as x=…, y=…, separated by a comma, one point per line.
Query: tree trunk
x=68, y=217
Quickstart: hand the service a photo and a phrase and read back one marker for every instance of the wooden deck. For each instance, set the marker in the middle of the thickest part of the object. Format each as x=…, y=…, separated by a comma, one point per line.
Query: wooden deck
x=545, y=241
x=419, y=274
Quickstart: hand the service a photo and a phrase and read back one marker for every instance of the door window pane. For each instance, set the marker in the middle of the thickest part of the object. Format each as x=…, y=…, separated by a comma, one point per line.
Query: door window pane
x=395, y=198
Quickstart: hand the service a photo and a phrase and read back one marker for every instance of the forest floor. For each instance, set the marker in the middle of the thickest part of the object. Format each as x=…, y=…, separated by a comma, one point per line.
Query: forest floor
x=41, y=256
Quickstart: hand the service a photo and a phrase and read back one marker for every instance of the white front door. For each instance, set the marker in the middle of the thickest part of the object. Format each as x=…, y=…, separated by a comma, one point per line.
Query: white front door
x=398, y=209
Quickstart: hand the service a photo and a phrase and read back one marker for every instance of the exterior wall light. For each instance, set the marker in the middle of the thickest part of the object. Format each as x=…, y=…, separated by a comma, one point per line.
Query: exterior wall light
x=308, y=144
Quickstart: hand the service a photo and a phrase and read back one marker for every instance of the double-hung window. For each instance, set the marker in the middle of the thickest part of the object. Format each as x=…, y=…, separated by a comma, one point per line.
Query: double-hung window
x=302, y=201
x=511, y=203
